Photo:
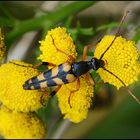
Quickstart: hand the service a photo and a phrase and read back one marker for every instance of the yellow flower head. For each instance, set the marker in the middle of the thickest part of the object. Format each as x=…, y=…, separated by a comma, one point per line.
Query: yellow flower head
x=121, y=59
x=62, y=41
x=17, y=125
x=2, y=48
x=80, y=100
x=12, y=94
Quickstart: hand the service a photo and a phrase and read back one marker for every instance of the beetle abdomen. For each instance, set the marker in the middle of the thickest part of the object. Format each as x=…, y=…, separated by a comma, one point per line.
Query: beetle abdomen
x=56, y=76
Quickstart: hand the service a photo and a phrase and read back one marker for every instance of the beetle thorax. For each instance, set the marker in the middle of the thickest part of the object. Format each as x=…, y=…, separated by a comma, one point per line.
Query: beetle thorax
x=96, y=63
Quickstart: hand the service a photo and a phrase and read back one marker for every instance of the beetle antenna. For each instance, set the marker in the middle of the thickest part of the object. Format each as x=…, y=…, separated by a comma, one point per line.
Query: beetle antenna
x=129, y=91
x=117, y=33
x=20, y=64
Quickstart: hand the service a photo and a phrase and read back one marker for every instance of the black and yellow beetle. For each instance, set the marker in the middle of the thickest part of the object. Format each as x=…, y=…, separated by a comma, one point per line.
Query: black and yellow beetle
x=70, y=71
x=62, y=74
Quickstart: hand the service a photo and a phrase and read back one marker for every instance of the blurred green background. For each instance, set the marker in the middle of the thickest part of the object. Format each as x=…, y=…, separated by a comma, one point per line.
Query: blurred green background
x=114, y=114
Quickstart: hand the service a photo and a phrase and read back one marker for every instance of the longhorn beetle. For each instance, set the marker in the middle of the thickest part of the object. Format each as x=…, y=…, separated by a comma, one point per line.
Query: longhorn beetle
x=70, y=71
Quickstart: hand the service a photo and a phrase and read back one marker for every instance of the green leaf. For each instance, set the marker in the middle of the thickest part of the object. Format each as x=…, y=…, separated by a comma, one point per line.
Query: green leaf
x=46, y=21
x=5, y=22
x=136, y=38
x=110, y=26
x=68, y=22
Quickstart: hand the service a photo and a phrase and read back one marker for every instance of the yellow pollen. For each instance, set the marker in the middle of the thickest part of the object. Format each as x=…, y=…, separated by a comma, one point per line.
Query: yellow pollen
x=12, y=94
x=121, y=59
x=63, y=41
x=80, y=100
x=17, y=125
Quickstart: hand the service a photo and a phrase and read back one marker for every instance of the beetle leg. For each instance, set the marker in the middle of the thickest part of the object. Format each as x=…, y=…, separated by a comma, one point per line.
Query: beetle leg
x=55, y=91
x=36, y=65
x=100, y=83
x=44, y=63
x=85, y=51
x=71, y=58
x=90, y=79
x=90, y=46
x=19, y=64
x=72, y=92
x=42, y=98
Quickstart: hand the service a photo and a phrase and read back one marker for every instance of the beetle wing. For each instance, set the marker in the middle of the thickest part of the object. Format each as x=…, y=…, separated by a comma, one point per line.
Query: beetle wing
x=56, y=76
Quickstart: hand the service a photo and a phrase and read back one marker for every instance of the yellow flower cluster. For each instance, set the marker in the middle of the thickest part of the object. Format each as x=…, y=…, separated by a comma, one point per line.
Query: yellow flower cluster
x=17, y=125
x=12, y=76
x=62, y=41
x=13, y=123
x=2, y=48
x=121, y=59
x=80, y=101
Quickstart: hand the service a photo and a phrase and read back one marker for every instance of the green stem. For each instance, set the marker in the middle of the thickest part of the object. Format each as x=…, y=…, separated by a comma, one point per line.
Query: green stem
x=45, y=20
